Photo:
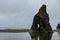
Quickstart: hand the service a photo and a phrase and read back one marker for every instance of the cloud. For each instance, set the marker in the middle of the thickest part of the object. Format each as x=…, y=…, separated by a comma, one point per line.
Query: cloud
x=19, y=13
x=1, y=17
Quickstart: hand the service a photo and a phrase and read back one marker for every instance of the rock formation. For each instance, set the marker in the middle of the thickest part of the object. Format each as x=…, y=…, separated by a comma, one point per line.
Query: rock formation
x=41, y=21
x=58, y=26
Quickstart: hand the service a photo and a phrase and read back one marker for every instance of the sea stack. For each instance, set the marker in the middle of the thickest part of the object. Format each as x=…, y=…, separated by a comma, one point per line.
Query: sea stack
x=58, y=26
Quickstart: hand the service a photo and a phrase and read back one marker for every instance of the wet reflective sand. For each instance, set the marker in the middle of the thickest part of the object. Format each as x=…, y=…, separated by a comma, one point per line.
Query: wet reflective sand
x=29, y=36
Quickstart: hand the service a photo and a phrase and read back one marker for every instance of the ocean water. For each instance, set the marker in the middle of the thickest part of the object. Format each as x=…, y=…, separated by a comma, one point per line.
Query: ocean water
x=26, y=36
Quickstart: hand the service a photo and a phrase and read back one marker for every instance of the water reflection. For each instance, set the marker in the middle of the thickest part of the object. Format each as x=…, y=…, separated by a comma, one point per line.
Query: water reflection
x=59, y=34
x=40, y=36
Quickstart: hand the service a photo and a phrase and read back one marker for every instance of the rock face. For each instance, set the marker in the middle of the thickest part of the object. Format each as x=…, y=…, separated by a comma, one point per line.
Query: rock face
x=58, y=26
x=41, y=21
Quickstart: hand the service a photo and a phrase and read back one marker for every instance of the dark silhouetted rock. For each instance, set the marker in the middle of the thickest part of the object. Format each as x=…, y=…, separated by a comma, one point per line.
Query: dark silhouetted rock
x=41, y=21
x=58, y=26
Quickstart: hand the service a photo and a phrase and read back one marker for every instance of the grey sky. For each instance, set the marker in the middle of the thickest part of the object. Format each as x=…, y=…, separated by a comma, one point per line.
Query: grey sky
x=19, y=13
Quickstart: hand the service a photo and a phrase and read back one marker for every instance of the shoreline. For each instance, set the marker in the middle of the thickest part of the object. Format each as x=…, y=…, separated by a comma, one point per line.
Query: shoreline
x=22, y=30
x=14, y=30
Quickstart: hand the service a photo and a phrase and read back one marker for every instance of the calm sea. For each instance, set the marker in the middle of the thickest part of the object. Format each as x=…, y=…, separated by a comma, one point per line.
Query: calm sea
x=24, y=36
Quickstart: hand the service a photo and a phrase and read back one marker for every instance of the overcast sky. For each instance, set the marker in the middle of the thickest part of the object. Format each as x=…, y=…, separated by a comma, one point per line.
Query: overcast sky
x=19, y=13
